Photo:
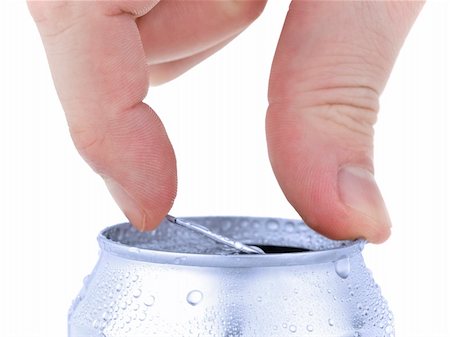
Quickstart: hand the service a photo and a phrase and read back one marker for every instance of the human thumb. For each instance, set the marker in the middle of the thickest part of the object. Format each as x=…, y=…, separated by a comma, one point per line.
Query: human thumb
x=331, y=65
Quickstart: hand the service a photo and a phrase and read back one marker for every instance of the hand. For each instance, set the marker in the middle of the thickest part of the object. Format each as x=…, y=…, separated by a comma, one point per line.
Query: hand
x=330, y=67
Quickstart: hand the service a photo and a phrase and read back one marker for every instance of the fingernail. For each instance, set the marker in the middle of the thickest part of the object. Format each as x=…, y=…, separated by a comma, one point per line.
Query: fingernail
x=359, y=190
x=127, y=204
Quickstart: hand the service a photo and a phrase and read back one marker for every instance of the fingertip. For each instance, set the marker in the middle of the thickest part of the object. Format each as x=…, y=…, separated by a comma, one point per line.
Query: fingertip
x=154, y=216
x=348, y=227
x=336, y=221
x=342, y=202
x=359, y=193
x=381, y=239
x=142, y=217
x=380, y=234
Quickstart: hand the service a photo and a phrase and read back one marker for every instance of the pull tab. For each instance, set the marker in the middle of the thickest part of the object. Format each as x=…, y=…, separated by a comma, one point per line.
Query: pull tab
x=216, y=237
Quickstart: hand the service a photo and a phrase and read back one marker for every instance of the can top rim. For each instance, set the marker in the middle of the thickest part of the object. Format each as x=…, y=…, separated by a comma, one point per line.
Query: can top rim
x=348, y=249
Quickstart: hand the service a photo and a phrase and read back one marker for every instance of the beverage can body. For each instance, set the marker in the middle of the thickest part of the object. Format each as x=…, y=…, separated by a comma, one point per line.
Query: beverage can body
x=145, y=286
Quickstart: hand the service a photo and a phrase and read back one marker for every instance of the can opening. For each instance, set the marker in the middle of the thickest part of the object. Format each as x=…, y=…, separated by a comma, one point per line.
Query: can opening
x=270, y=249
x=272, y=235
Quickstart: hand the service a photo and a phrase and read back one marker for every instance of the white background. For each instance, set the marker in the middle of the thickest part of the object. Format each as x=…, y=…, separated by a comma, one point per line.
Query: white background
x=52, y=206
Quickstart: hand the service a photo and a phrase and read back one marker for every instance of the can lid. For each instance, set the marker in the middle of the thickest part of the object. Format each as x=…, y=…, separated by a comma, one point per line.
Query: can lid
x=172, y=244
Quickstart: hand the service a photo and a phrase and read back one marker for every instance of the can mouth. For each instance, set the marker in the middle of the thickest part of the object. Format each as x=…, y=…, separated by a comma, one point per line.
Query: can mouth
x=270, y=249
x=285, y=242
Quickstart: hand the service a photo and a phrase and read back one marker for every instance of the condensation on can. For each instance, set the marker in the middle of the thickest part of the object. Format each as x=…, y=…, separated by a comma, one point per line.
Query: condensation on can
x=174, y=283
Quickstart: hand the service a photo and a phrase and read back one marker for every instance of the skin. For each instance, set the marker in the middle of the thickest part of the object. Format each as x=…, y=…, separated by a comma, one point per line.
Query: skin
x=331, y=64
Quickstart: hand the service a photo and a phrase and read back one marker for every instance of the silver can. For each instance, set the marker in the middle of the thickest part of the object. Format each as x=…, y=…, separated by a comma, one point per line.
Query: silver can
x=173, y=282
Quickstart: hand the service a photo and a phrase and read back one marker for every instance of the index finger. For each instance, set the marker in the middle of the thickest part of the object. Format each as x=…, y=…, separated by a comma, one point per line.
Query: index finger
x=100, y=72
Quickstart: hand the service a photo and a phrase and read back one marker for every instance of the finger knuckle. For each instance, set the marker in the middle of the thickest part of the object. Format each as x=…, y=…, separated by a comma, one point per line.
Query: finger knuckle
x=352, y=110
x=348, y=119
x=344, y=113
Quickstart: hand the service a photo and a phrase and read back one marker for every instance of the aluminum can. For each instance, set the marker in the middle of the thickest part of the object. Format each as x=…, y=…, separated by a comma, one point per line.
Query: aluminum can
x=173, y=283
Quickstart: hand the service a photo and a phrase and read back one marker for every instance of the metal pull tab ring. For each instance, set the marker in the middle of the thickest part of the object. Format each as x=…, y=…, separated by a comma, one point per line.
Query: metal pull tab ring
x=216, y=237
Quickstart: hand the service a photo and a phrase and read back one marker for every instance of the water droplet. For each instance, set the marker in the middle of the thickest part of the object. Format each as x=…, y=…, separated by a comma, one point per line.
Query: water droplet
x=310, y=313
x=289, y=227
x=102, y=325
x=149, y=300
x=135, y=277
x=272, y=225
x=118, y=286
x=95, y=324
x=194, y=297
x=292, y=328
x=259, y=298
x=362, y=244
x=330, y=322
x=106, y=316
x=86, y=279
x=137, y=293
x=358, y=322
x=142, y=315
x=357, y=334
x=342, y=267
x=309, y=328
